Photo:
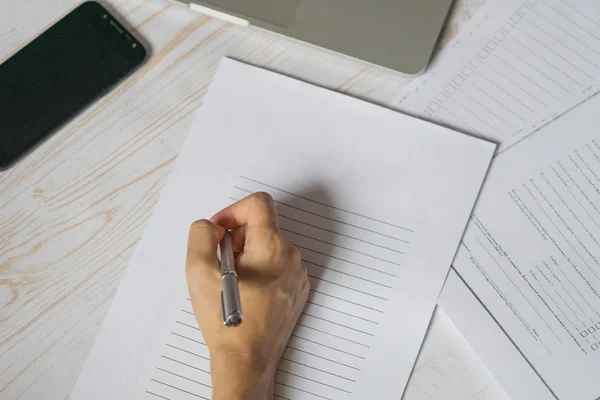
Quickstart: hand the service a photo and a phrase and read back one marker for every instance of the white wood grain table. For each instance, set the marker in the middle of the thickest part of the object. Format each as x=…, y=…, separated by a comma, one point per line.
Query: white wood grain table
x=72, y=212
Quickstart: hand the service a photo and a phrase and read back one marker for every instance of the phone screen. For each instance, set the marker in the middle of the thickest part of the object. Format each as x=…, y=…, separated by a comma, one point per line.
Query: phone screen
x=59, y=73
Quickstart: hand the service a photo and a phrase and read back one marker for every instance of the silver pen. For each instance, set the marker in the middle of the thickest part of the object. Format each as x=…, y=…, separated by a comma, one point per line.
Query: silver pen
x=230, y=294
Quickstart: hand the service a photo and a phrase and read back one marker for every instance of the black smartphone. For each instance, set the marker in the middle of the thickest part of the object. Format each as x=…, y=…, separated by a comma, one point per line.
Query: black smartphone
x=59, y=73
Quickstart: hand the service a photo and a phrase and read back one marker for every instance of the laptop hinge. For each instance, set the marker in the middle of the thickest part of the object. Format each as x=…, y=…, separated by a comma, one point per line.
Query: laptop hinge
x=219, y=15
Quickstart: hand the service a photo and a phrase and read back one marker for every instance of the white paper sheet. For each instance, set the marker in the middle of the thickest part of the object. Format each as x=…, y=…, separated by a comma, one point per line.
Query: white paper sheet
x=532, y=251
x=518, y=66
x=375, y=200
x=493, y=346
x=478, y=84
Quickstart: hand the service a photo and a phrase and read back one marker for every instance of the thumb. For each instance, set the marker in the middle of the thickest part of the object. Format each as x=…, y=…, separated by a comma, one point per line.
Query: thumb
x=203, y=241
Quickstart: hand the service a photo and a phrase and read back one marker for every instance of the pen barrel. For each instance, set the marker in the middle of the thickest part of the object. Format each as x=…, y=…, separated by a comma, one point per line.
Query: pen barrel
x=230, y=299
x=230, y=294
x=227, y=257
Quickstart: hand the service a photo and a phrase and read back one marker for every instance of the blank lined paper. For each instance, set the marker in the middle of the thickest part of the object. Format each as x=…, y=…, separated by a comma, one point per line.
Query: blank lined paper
x=350, y=259
x=373, y=223
x=519, y=66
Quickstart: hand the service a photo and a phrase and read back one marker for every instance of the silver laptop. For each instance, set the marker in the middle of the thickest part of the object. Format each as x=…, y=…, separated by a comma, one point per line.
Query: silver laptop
x=396, y=34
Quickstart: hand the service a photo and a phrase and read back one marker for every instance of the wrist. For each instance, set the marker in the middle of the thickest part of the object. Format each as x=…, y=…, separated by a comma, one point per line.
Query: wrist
x=237, y=378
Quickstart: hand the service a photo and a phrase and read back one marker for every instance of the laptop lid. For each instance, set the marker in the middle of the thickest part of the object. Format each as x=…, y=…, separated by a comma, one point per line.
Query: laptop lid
x=396, y=34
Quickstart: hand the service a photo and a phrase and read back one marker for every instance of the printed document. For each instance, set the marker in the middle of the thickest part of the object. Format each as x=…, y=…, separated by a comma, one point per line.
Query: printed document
x=376, y=201
x=518, y=66
x=531, y=253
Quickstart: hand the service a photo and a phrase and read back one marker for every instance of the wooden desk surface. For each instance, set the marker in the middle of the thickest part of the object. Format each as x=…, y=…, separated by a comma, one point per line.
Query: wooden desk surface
x=72, y=212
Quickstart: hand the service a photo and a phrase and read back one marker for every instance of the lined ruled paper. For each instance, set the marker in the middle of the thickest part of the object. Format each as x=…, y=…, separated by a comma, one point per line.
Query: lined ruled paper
x=350, y=258
x=375, y=227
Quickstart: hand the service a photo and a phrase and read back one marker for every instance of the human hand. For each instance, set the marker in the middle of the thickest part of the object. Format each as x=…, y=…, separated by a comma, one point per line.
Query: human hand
x=273, y=288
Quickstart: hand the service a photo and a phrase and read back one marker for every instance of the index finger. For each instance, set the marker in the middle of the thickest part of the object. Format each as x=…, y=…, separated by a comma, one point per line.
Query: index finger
x=254, y=211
